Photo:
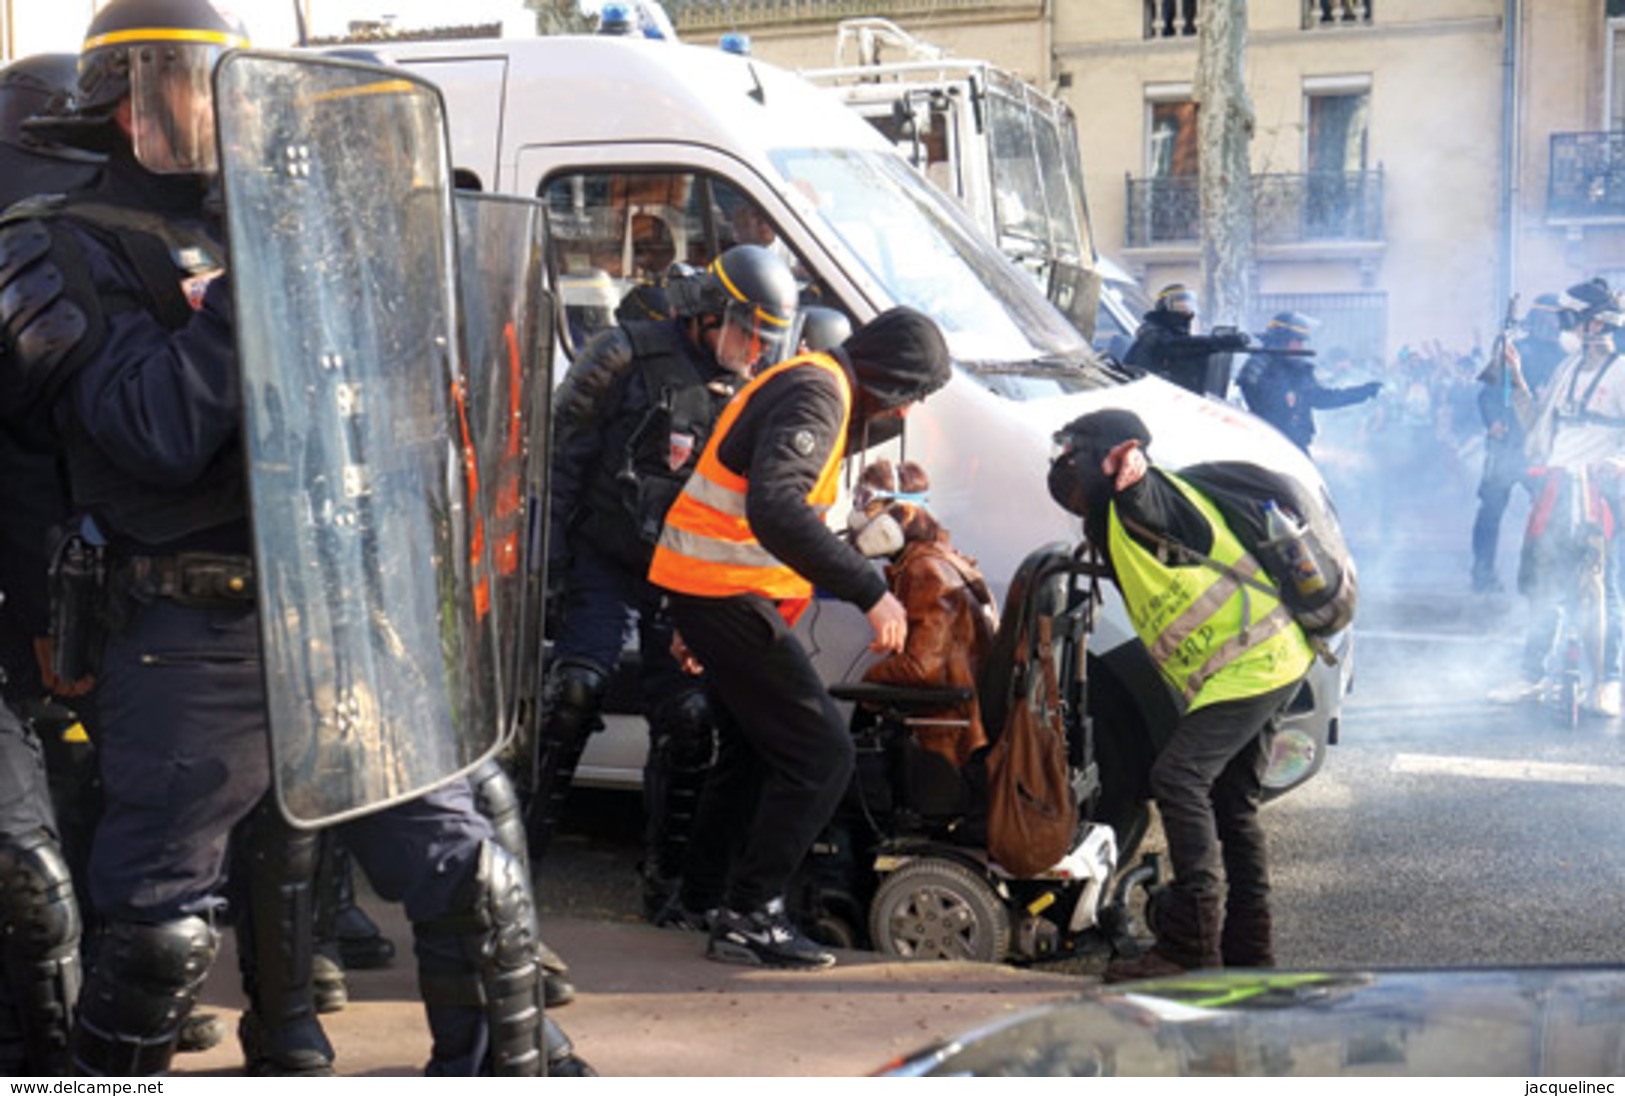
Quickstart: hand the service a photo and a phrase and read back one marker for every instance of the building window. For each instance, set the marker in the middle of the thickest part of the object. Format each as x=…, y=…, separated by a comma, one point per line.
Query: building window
x=1171, y=205
x=1170, y=18
x=1333, y=13
x=1335, y=156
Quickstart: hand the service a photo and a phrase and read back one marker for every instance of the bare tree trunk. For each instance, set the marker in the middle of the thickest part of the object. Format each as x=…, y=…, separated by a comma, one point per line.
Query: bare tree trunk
x=560, y=17
x=1225, y=132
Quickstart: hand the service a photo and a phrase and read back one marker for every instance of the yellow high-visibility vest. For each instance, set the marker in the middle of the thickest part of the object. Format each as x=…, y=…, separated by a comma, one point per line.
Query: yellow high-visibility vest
x=1213, y=637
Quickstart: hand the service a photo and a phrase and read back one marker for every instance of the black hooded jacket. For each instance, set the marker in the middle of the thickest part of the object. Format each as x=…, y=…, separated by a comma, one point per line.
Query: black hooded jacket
x=783, y=437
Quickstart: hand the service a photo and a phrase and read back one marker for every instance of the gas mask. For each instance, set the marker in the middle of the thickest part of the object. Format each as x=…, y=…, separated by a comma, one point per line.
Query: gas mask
x=877, y=536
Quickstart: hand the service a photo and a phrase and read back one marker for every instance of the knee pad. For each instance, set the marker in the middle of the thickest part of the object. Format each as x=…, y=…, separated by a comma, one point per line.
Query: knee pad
x=573, y=699
x=39, y=916
x=575, y=696
x=144, y=982
x=682, y=732
x=491, y=964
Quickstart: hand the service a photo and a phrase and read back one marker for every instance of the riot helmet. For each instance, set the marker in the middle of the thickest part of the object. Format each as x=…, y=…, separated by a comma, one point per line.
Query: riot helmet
x=747, y=295
x=1175, y=308
x=160, y=55
x=33, y=85
x=823, y=328
x=1286, y=328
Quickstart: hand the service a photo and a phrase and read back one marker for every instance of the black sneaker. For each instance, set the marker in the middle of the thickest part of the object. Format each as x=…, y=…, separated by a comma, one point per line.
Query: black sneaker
x=675, y=915
x=764, y=937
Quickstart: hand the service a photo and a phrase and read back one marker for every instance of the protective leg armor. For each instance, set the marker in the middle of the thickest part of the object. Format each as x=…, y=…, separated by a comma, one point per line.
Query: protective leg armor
x=329, y=987
x=482, y=955
x=496, y=799
x=280, y=1034
x=142, y=986
x=39, y=918
x=682, y=749
x=572, y=701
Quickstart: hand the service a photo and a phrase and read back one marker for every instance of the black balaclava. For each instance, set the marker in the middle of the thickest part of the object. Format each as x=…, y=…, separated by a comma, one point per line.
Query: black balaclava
x=1076, y=481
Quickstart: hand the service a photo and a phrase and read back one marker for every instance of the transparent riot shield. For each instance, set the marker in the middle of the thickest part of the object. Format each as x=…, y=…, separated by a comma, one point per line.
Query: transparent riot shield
x=374, y=585
x=507, y=321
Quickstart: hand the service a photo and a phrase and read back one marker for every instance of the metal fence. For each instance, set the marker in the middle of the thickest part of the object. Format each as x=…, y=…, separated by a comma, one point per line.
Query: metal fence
x=1321, y=205
x=1587, y=175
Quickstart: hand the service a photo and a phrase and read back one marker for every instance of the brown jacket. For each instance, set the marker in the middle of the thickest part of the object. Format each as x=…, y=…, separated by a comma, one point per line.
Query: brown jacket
x=951, y=618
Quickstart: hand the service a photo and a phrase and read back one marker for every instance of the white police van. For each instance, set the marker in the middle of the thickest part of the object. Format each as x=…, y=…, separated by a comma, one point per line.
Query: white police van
x=649, y=152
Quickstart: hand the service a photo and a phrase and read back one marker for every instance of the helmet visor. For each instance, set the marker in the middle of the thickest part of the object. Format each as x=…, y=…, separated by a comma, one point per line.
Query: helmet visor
x=752, y=337
x=172, y=106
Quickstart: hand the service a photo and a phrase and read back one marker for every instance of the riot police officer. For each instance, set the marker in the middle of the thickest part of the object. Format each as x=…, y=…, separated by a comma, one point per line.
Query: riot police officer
x=1166, y=344
x=119, y=323
x=632, y=417
x=40, y=922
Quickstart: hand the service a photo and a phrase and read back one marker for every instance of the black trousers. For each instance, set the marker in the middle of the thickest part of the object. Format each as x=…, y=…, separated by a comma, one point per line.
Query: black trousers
x=1208, y=782
x=784, y=754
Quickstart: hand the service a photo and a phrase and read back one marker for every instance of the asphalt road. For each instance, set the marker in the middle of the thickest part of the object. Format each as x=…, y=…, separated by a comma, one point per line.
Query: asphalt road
x=1443, y=829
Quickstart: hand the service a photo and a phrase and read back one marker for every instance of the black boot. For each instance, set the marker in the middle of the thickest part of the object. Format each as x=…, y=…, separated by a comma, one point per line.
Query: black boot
x=1187, y=931
x=561, y=1054
x=1248, y=939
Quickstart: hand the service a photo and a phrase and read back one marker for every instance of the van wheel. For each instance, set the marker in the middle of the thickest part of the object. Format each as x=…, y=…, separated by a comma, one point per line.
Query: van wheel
x=937, y=909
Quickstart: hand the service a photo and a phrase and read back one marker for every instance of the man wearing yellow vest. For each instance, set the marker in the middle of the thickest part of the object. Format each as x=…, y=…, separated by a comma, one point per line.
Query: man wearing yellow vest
x=742, y=549
x=1234, y=656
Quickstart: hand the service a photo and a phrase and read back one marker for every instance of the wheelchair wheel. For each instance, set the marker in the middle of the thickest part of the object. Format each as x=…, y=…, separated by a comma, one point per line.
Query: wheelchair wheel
x=939, y=909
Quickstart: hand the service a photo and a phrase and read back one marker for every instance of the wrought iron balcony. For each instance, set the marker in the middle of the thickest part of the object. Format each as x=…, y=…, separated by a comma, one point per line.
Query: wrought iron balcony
x=1336, y=13
x=1320, y=207
x=1170, y=18
x=1587, y=179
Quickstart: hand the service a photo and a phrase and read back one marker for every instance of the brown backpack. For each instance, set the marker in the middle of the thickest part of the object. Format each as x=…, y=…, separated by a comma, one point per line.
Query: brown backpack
x=1032, y=817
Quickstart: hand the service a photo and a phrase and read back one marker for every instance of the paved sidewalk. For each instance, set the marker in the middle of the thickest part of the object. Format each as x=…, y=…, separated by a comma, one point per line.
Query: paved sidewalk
x=650, y=1004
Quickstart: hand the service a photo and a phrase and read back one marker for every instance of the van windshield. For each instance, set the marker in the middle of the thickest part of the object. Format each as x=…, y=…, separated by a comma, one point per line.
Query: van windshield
x=928, y=255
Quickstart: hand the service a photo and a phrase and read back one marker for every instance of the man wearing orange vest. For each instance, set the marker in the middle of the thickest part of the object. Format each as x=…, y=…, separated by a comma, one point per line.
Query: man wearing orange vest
x=742, y=549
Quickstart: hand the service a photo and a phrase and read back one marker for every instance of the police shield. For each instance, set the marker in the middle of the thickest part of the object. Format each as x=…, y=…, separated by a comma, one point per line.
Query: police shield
x=508, y=335
x=374, y=584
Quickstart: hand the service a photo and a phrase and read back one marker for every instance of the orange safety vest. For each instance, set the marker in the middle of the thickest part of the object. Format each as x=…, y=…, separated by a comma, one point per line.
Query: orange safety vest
x=706, y=547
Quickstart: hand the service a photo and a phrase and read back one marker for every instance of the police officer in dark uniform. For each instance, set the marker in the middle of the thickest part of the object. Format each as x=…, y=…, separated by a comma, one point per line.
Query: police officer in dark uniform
x=119, y=323
x=40, y=922
x=1166, y=345
x=1280, y=385
x=631, y=419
